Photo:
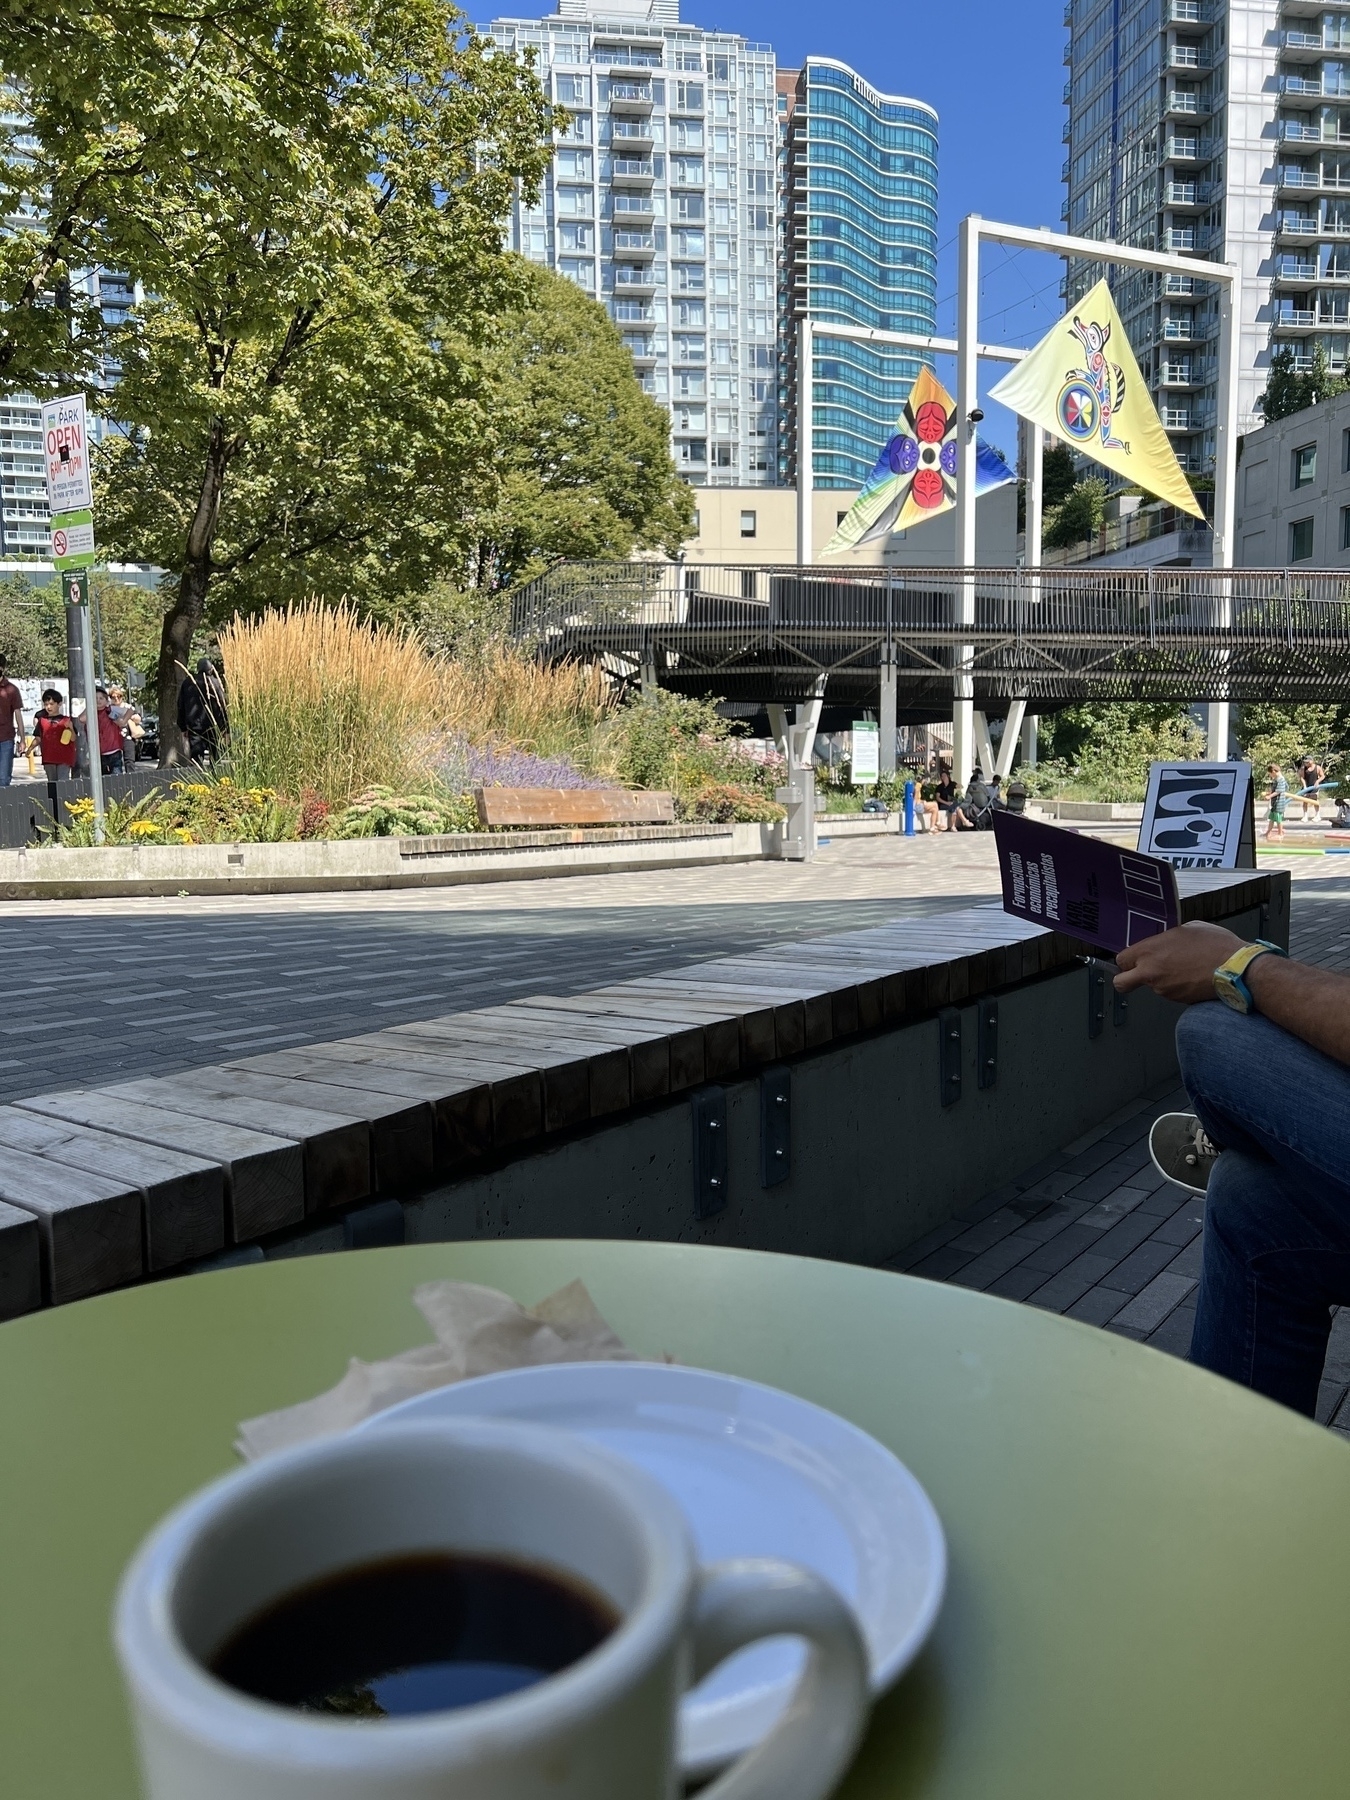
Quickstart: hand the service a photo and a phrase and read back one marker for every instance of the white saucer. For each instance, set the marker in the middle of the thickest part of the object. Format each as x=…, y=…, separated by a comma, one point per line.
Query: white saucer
x=758, y=1473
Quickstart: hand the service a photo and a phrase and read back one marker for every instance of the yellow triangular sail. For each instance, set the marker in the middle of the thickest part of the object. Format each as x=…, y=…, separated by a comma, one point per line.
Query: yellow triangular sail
x=1081, y=382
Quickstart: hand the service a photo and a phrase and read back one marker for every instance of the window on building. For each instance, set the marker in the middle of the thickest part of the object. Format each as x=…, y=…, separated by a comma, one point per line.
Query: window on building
x=749, y=524
x=721, y=459
x=1345, y=528
x=1345, y=452
x=1303, y=466
x=1301, y=540
x=698, y=522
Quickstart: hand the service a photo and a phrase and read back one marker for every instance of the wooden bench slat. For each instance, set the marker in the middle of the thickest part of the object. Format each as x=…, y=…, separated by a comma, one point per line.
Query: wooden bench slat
x=648, y=1045
x=90, y=1228
x=487, y=1104
x=683, y=1042
x=20, y=1262
x=335, y=1150
x=373, y=1075
x=501, y=806
x=264, y=1175
x=566, y=1077
x=183, y=1197
x=400, y=1126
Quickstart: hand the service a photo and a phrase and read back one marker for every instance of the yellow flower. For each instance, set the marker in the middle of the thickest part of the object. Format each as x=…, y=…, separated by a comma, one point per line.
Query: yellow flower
x=81, y=809
x=143, y=828
x=184, y=836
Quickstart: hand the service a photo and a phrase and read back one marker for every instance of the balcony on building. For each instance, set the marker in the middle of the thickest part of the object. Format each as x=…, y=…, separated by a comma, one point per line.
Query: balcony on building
x=1184, y=58
x=633, y=168
x=641, y=348
x=1186, y=194
x=1296, y=225
x=633, y=209
x=634, y=243
x=631, y=137
x=1304, y=87
x=1301, y=131
x=1185, y=104
x=629, y=95
x=1294, y=271
x=634, y=279
x=1181, y=147
x=1295, y=318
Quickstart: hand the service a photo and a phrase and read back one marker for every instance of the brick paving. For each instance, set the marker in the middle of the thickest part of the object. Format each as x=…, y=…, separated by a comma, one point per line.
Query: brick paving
x=1094, y=1231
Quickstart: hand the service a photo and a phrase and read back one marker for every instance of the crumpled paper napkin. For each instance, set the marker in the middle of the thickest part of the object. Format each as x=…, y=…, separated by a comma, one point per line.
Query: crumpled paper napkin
x=478, y=1331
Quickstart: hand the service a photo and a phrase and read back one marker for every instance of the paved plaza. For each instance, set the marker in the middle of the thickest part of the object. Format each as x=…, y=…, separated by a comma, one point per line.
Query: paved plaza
x=97, y=990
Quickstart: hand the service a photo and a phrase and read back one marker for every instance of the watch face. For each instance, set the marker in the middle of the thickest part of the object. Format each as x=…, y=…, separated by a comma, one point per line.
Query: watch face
x=1231, y=991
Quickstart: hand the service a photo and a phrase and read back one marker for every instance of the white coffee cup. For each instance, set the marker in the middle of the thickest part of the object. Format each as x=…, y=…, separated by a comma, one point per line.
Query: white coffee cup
x=602, y=1729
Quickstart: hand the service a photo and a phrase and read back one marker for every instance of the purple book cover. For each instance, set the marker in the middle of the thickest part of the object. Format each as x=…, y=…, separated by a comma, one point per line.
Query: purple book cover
x=1081, y=885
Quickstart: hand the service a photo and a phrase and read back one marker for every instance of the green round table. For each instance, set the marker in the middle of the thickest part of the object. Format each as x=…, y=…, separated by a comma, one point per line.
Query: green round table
x=1150, y=1569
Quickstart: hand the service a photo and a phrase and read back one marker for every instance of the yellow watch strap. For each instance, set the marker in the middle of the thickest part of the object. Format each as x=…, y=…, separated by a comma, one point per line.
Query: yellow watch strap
x=1241, y=960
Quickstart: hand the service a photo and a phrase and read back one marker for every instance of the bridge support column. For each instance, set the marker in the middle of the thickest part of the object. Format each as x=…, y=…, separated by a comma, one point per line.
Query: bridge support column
x=889, y=687
x=1217, y=727
x=1007, y=747
x=1030, y=735
x=798, y=839
x=984, y=749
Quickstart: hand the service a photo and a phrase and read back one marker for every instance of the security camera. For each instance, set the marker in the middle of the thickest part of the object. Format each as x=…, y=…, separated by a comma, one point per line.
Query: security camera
x=976, y=415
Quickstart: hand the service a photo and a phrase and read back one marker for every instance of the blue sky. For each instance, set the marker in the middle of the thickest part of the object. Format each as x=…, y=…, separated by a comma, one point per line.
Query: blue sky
x=995, y=74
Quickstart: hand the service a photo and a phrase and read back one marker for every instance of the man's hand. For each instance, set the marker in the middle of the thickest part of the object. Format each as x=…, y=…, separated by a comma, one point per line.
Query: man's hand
x=1177, y=964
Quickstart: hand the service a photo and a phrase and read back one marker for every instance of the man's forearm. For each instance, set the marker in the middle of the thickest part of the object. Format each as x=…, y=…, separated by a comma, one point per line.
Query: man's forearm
x=1311, y=1003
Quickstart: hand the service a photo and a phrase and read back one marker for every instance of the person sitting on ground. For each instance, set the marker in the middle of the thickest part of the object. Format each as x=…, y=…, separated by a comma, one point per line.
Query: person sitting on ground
x=54, y=737
x=1342, y=820
x=1276, y=1180
x=1278, y=795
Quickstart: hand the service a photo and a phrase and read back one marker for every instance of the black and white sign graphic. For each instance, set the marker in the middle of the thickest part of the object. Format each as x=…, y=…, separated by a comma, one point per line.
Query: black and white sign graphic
x=1197, y=815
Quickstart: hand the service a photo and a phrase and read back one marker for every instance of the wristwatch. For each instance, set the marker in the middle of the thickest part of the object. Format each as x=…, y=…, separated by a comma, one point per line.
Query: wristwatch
x=1228, y=983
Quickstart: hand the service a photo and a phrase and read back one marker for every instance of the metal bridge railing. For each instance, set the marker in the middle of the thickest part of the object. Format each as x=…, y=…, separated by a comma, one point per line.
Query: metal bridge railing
x=1245, y=633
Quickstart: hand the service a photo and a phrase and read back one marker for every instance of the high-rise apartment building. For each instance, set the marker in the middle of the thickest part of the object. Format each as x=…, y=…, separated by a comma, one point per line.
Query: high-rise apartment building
x=859, y=248
x=1219, y=129
x=662, y=201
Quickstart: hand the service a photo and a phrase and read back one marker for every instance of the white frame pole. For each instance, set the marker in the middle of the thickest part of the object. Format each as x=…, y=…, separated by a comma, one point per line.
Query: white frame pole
x=967, y=399
x=1219, y=715
x=805, y=441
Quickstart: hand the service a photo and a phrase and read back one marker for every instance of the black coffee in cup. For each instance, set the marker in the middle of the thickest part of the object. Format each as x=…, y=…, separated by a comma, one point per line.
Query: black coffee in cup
x=415, y=1634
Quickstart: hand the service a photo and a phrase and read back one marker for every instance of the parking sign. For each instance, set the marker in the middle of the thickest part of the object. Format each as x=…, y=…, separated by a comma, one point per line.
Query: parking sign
x=65, y=455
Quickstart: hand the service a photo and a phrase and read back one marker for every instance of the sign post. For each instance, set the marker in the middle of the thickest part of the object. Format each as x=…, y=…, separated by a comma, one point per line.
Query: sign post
x=70, y=497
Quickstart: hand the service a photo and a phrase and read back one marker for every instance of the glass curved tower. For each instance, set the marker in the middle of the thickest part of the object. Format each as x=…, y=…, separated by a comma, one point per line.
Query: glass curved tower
x=860, y=248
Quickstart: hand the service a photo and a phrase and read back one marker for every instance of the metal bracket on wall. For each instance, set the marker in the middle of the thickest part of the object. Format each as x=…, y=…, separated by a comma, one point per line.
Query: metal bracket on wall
x=1120, y=1010
x=775, y=1127
x=987, y=1043
x=709, y=1109
x=949, y=1054
x=1096, y=999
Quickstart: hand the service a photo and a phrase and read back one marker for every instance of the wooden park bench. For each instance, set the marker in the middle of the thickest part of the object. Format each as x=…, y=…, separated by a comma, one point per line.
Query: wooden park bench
x=503, y=806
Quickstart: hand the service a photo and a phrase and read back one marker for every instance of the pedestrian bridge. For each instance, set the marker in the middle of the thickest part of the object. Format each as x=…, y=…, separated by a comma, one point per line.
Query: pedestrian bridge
x=1048, y=637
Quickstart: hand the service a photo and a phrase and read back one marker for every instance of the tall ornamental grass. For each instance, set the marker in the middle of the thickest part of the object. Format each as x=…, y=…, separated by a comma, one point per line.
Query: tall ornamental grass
x=319, y=697
x=493, y=695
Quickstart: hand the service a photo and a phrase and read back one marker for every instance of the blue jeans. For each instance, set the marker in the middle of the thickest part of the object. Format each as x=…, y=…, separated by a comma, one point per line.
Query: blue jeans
x=6, y=763
x=1277, y=1215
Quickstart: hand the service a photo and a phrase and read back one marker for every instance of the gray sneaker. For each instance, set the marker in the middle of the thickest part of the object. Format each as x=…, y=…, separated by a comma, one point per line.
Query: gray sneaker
x=1181, y=1151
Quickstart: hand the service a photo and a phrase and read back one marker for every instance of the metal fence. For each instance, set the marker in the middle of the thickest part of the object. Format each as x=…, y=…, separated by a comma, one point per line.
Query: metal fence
x=32, y=812
x=1052, y=635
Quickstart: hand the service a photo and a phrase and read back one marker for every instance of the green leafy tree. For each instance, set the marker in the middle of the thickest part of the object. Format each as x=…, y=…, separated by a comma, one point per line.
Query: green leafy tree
x=1287, y=391
x=1058, y=475
x=1103, y=750
x=1269, y=733
x=315, y=210
x=1078, y=517
x=582, y=454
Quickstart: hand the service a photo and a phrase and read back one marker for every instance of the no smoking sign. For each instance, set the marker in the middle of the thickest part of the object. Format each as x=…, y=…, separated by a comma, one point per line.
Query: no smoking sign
x=73, y=542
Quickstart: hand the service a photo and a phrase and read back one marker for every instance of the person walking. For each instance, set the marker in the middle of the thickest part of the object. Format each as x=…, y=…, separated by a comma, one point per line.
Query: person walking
x=11, y=724
x=109, y=733
x=202, y=716
x=54, y=737
x=1278, y=795
x=126, y=715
